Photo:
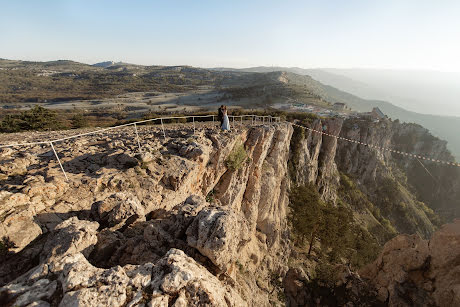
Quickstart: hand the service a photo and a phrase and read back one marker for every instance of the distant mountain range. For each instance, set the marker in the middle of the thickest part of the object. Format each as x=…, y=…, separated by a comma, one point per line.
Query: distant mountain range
x=340, y=87
x=26, y=81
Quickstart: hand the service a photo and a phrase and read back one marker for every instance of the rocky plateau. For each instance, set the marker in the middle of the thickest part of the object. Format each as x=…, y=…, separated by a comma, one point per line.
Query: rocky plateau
x=197, y=217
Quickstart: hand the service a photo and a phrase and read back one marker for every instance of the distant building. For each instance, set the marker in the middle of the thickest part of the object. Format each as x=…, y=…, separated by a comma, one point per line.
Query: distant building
x=339, y=106
x=376, y=114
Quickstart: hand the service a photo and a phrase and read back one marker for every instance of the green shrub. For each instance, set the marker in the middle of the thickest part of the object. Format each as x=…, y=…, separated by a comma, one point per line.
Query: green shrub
x=79, y=121
x=37, y=118
x=305, y=215
x=237, y=157
x=331, y=225
x=210, y=196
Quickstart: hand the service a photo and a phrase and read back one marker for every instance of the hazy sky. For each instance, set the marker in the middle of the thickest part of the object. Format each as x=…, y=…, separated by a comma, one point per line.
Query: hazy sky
x=401, y=34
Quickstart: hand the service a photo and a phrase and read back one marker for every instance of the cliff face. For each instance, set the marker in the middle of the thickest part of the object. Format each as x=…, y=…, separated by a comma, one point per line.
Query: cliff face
x=405, y=190
x=312, y=157
x=395, y=185
x=195, y=219
x=380, y=177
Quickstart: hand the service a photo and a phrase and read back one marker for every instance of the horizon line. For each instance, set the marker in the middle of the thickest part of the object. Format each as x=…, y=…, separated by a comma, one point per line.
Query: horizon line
x=246, y=67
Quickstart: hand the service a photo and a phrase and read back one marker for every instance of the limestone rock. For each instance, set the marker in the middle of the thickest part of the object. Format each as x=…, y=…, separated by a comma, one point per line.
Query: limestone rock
x=70, y=237
x=219, y=235
x=25, y=295
x=444, y=265
x=117, y=209
x=21, y=229
x=169, y=223
x=414, y=271
x=178, y=273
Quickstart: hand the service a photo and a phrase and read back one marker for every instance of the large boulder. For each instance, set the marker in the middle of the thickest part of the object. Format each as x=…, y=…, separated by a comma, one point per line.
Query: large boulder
x=118, y=209
x=412, y=271
x=219, y=235
x=70, y=237
x=445, y=264
x=85, y=285
x=178, y=277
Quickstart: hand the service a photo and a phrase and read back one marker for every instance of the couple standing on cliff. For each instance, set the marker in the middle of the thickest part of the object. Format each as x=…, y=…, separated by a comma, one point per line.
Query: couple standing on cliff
x=223, y=117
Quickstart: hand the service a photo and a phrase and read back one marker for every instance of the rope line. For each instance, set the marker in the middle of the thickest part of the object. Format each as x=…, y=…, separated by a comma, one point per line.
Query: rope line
x=126, y=125
x=378, y=148
x=253, y=120
x=427, y=171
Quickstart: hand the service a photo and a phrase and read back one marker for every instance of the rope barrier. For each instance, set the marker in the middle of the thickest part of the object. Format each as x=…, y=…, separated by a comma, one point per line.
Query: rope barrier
x=137, y=137
x=59, y=161
x=124, y=125
x=121, y=126
x=379, y=148
x=254, y=118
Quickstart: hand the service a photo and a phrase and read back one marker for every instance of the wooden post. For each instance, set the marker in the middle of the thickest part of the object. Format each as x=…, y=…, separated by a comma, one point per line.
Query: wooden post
x=59, y=161
x=137, y=136
x=163, y=128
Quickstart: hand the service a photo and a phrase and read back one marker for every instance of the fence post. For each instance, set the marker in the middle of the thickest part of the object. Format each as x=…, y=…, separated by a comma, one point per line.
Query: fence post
x=163, y=128
x=213, y=120
x=59, y=161
x=137, y=136
x=193, y=119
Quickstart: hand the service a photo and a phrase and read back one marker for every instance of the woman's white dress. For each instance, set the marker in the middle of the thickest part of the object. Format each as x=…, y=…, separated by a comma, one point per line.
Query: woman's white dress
x=226, y=122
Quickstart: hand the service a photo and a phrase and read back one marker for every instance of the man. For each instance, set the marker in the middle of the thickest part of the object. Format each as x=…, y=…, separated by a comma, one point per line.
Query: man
x=220, y=115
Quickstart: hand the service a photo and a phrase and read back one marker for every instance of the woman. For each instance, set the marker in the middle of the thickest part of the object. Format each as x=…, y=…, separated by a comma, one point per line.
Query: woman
x=225, y=122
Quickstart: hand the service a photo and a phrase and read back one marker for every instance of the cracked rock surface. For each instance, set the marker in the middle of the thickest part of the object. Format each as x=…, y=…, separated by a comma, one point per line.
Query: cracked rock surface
x=170, y=226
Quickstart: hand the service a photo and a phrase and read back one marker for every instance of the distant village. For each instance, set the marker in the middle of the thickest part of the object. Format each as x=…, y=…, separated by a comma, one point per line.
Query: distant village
x=339, y=109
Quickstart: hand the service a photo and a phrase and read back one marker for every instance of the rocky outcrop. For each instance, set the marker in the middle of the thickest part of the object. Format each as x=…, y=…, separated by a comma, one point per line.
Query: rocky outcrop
x=393, y=182
x=313, y=157
x=196, y=218
x=179, y=278
x=117, y=208
x=412, y=271
x=68, y=279
x=348, y=289
x=219, y=235
x=172, y=225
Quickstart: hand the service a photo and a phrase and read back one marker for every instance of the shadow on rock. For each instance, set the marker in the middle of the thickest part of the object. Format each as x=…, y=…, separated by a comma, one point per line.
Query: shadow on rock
x=90, y=163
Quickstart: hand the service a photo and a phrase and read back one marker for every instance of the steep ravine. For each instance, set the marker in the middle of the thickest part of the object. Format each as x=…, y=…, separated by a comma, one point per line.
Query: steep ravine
x=387, y=194
x=195, y=219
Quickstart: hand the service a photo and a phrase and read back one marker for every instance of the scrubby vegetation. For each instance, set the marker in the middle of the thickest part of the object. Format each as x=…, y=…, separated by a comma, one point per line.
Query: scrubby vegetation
x=350, y=194
x=79, y=121
x=37, y=118
x=237, y=157
x=315, y=222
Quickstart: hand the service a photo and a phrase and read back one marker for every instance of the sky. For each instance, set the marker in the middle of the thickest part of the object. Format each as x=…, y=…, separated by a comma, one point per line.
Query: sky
x=390, y=34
